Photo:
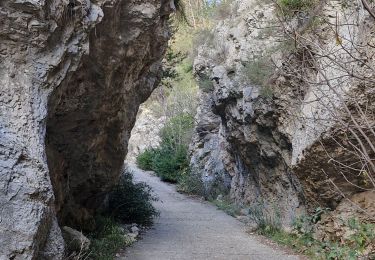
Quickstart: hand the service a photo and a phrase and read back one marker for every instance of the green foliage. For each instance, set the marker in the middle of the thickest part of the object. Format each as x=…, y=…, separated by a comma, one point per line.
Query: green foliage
x=131, y=202
x=268, y=219
x=145, y=159
x=258, y=72
x=205, y=84
x=107, y=240
x=179, y=89
x=356, y=246
x=227, y=206
x=363, y=235
x=290, y=7
x=191, y=183
x=177, y=131
x=170, y=159
x=171, y=60
x=304, y=224
x=128, y=202
x=169, y=163
x=319, y=211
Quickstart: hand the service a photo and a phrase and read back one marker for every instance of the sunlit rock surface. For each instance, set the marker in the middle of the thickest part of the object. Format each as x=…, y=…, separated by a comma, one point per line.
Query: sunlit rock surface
x=72, y=75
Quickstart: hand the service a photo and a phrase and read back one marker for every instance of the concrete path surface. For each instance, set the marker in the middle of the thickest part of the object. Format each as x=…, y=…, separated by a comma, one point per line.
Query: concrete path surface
x=192, y=230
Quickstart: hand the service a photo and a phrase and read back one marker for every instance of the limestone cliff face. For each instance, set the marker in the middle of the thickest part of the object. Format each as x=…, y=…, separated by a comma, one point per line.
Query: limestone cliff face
x=145, y=133
x=276, y=145
x=72, y=75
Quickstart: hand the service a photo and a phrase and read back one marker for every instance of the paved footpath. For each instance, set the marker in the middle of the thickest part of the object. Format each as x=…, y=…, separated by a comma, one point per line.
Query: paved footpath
x=189, y=229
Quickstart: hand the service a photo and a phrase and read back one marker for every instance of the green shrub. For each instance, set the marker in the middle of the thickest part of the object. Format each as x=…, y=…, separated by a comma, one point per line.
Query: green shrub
x=227, y=206
x=107, y=240
x=258, y=72
x=205, y=84
x=191, y=183
x=356, y=246
x=145, y=159
x=177, y=131
x=172, y=156
x=128, y=202
x=363, y=236
x=290, y=7
x=131, y=202
x=268, y=219
x=170, y=159
x=169, y=163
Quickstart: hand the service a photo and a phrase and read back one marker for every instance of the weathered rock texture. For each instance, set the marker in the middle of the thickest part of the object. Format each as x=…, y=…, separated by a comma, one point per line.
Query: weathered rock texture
x=267, y=138
x=145, y=133
x=72, y=75
x=210, y=152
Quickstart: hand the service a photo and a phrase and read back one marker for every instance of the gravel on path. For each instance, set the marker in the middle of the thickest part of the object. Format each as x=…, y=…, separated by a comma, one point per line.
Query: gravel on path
x=189, y=229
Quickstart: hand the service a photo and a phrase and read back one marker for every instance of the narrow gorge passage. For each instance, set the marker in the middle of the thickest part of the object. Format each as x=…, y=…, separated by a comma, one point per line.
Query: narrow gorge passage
x=190, y=229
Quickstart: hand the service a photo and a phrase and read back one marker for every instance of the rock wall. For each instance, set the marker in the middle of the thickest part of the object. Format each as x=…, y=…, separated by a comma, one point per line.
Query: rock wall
x=72, y=75
x=210, y=151
x=267, y=138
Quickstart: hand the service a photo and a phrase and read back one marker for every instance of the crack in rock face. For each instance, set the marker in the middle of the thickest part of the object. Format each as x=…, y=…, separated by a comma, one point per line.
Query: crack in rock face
x=72, y=76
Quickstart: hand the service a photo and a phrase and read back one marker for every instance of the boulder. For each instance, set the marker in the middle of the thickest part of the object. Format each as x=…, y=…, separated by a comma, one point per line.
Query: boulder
x=75, y=241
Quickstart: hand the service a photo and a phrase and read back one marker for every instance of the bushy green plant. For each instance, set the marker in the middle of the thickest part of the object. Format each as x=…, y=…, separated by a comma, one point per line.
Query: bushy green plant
x=168, y=163
x=362, y=237
x=227, y=206
x=356, y=246
x=128, y=202
x=107, y=240
x=258, y=72
x=304, y=224
x=131, y=202
x=145, y=159
x=191, y=183
x=170, y=159
x=172, y=156
x=170, y=62
x=267, y=218
x=177, y=131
